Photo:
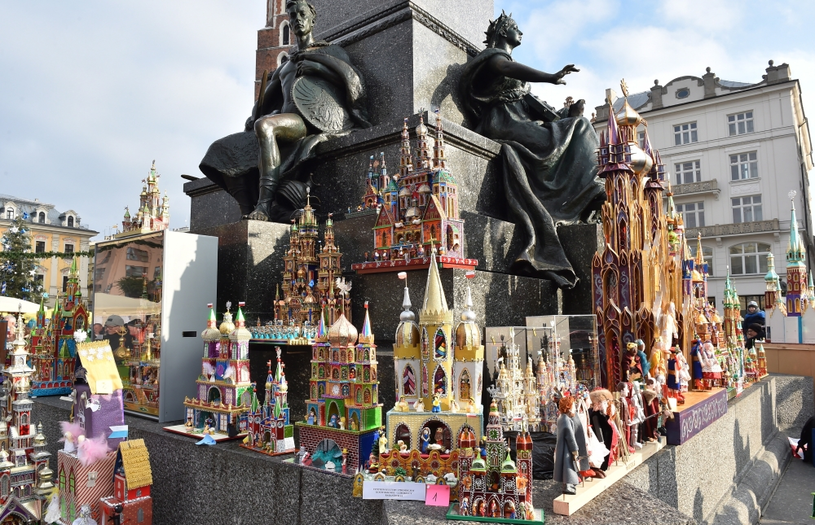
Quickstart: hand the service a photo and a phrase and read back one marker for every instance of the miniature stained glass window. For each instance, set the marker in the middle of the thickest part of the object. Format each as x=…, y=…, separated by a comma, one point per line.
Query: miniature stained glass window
x=464, y=385
x=424, y=380
x=408, y=382
x=440, y=345
x=439, y=381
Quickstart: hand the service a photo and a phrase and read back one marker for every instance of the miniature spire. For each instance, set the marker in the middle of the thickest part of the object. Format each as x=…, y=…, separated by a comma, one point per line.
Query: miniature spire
x=439, y=159
x=434, y=300
x=795, y=250
x=407, y=314
x=366, y=335
x=405, y=159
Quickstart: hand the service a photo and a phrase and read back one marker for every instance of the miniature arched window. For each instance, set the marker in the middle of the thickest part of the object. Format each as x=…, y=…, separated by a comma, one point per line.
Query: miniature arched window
x=440, y=381
x=367, y=397
x=424, y=380
x=322, y=372
x=70, y=221
x=314, y=371
x=366, y=356
x=214, y=395
x=336, y=356
x=285, y=31
x=366, y=375
x=345, y=390
x=314, y=392
x=342, y=356
x=408, y=382
x=344, y=374
x=140, y=516
x=403, y=434
x=440, y=344
x=359, y=395
x=4, y=483
x=321, y=391
x=41, y=217
x=464, y=385
x=71, y=482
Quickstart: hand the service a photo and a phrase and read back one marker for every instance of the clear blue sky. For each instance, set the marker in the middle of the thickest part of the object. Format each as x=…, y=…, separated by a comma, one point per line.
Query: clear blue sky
x=93, y=91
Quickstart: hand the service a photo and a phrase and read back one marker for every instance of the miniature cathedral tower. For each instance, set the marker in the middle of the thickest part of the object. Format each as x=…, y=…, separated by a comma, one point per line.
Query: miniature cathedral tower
x=437, y=349
x=636, y=268
x=796, y=269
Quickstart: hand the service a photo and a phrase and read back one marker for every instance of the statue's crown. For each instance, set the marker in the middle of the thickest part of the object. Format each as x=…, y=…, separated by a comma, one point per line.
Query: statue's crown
x=495, y=28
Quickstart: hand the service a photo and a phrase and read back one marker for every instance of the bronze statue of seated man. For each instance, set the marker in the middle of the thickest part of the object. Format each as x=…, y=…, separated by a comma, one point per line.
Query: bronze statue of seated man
x=314, y=95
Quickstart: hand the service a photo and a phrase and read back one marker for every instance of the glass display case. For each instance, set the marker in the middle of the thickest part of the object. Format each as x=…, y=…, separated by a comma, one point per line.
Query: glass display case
x=147, y=291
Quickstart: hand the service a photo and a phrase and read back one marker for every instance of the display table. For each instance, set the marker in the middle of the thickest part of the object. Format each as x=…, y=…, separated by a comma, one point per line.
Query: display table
x=678, y=485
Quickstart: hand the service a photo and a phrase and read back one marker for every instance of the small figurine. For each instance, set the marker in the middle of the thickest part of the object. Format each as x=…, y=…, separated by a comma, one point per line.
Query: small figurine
x=342, y=423
x=425, y=439
x=383, y=444
x=402, y=446
x=566, y=452
x=464, y=507
x=332, y=421
x=436, y=402
x=208, y=439
x=188, y=425
x=310, y=419
x=306, y=459
x=402, y=405
x=418, y=406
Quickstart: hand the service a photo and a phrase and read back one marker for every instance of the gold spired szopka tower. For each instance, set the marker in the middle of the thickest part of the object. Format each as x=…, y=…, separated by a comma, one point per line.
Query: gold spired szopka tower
x=639, y=274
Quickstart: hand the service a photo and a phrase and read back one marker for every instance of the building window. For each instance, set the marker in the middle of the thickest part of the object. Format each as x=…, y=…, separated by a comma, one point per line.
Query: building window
x=687, y=172
x=747, y=209
x=39, y=279
x=64, y=283
x=10, y=214
x=707, y=256
x=40, y=247
x=135, y=271
x=41, y=217
x=745, y=299
x=685, y=133
x=70, y=221
x=641, y=139
x=286, y=31
x=134, y=254
x=740, y=123
x=749, y=257
x=693, y=213
x=744, y=166
x=69, y=248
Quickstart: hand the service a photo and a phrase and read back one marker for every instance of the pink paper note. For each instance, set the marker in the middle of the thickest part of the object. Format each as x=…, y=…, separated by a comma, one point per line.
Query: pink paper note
x=437, y=496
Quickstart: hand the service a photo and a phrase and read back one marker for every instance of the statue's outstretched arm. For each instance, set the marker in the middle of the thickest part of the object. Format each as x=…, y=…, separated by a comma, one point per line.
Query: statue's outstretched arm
x=501, y=65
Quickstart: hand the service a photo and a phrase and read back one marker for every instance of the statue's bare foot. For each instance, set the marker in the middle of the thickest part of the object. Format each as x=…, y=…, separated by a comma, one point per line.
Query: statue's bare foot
x=576, y=109
x=260, y=214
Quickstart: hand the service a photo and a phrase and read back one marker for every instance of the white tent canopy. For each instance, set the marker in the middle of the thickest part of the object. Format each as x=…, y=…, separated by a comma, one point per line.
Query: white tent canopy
x=13, y=305
x=106, y=304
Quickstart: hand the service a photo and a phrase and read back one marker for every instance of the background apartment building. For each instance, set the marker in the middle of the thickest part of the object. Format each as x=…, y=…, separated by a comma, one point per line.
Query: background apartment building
x=734, y=151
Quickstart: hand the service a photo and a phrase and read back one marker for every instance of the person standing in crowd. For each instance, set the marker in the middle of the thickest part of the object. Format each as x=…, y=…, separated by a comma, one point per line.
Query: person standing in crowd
x=754, y=316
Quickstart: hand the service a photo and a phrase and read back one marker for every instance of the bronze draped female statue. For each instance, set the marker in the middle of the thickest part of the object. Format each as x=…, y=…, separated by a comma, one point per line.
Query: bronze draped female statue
x=549, y=165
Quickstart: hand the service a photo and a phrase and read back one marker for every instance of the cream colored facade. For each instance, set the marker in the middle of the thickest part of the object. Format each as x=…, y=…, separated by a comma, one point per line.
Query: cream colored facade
x=733, y=152
x=51, y=231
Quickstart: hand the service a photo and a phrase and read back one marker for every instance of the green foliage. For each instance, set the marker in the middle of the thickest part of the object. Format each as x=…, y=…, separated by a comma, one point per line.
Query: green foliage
x=131, y=286
x=17, y=268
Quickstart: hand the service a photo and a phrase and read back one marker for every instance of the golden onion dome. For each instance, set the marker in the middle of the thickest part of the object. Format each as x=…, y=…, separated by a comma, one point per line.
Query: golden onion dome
x=421, y=129
x=641, y=162
x=627, y=116
x=342, y=333
x=468, y=333
x=227, y=326
x=210, y=333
